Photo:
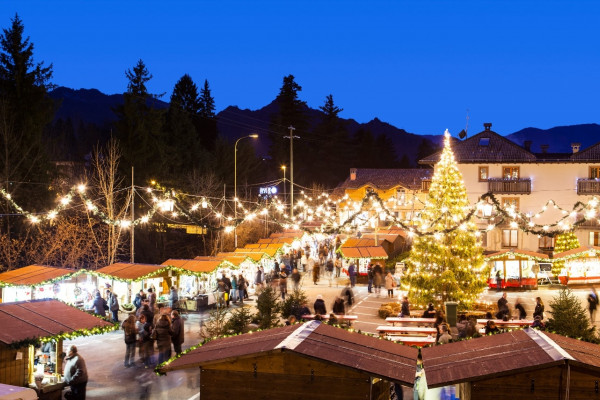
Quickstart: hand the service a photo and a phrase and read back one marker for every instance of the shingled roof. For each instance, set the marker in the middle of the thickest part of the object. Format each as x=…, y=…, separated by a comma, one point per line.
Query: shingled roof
x=487, y=146
x=35, y=275
x=384, y=179
x=592, y=153
x=504, y=354
x=379, y=358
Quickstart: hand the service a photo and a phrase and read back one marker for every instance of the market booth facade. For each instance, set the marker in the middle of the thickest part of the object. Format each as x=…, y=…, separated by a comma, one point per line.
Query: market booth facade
x=581, y=266
x=516, y=268
x=196, y=280
x=363, y=252
x=45, y=282
x=303, y=361
x=31, y=341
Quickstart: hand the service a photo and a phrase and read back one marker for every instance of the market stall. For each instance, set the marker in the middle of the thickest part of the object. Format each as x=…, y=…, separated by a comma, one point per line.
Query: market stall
x=581, y=265
x=264, y=257
x=517, y=268
x=31, y=342
x=125, y=279
x=363, y=252
x=196, y=280
x=43, y=282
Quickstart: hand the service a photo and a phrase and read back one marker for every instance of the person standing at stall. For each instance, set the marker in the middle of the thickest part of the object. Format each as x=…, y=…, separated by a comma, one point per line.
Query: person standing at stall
x=75, y=373
x=146, y=343
x=100, y=305
x=241, y=282
x=390, y=284
x=130, y=332
x=174, y=298
x=178, y=331
x=352, y=274
x=113, y=304
x=162, y=334
x=152, y=299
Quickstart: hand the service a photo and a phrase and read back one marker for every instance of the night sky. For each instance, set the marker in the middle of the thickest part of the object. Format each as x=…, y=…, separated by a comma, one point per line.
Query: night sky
x=418, y=65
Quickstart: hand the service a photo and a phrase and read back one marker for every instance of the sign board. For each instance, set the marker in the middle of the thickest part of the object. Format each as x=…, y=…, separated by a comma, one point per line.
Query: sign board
x=267, y=191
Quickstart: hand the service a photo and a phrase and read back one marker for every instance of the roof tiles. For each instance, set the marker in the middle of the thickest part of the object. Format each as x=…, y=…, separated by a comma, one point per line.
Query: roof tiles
x=33, y=275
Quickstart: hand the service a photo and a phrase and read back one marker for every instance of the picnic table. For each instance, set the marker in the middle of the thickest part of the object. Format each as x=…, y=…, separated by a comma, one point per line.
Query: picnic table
x=343, y=318
x=405, y=330
x=408, y=320
x=506, y=324
x=413, y=340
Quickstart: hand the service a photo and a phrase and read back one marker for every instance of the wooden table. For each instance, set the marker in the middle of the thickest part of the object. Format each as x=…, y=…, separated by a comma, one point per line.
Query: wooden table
x=346, y=318
x=406, y=330
x=408, y=320
x=506, y=324
x=413, y=340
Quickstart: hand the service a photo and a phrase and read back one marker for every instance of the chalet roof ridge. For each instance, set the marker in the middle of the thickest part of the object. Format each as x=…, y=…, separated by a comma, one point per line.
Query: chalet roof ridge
x=298, y=336
x=551, y=348
x=595, y=149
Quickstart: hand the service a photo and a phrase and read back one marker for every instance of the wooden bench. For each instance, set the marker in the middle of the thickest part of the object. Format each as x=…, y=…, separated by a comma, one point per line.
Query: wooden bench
x=511, y=323
x=405, y=330
x=413, y=340
x=347, y=319
x=408, y=320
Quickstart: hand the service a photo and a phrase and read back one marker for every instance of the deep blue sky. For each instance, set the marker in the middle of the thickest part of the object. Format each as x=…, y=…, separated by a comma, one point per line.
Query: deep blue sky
x=418, y=65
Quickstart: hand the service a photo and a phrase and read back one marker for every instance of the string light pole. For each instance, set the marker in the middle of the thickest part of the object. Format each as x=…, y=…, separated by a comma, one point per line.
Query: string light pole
x=292, y=137
x=283, y=167
x=235, y=199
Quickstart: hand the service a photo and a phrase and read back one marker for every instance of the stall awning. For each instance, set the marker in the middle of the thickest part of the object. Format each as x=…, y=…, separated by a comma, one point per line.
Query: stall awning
x=363, y=248
x=289, y=233
x=268, y=252
x=35, y=275
x=517, y=253
x=194, y=265
x=129, y=271
x=283, y=240
x=30, y=320
x=235, y=259
x=578, y=252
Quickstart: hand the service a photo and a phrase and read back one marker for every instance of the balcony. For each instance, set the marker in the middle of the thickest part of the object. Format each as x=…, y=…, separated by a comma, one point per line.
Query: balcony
x=588, y=186
x=509, y=186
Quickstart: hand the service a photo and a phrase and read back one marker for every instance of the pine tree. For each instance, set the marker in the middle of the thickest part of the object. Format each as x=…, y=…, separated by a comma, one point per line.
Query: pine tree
x=207, y=125
x=569, y=318
x=564, y=241
x=268, y=308
x=446, y=266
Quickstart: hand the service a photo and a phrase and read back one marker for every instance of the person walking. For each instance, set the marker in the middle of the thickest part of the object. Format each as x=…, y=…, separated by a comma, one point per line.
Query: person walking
x=152, y=299
x=296, y=278
x=75, y=373
x=162, y=334
x=420, y=384
x=130, y=332
x=519, y=307
x=100, y=305
x=502, y=307
x=338, y=266
x=390, y=284
x=370, y=278
x=113, y=304
x=303, y=261
x=352, y=274
x=315, y=273
x=283, y=283
x=226, y=288
x=242, y=285
x=539, y=308
x=592, y=304
x=174, y=298
x=233, y=294
x=178, y=330
x=377, y=278
x=259, y=278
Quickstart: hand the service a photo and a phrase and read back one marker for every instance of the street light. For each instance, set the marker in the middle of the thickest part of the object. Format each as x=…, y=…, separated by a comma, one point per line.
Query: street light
x=235, y=199
x=283, y=167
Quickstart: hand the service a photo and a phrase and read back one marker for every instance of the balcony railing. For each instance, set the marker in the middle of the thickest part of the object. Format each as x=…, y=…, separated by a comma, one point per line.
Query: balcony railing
x=425, y=185
x=509, y=186
x=588, y=186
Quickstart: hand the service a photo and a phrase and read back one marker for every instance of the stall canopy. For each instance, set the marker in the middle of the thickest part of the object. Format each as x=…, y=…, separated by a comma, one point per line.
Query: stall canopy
x=35, y=319
x=517, y=253
x=236, y=259
x=380, y=358
x=283, y=240
x=261, y=253
x=262, y=246
x=35, y=275
x=583, y=251
x=506, y=354
x=130, y=272
x=195, y=266
x=363, y=248
x=288, y=233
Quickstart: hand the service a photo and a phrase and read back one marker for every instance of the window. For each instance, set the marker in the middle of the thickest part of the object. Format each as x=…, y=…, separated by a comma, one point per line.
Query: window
x=401, y=196
x=546, y=243
x=510, y=172
x=483, y=237
x=484, y=141
x=594, y=172
x=483, y=174
x=509, y=237
x=508, y=202
x=594, y=238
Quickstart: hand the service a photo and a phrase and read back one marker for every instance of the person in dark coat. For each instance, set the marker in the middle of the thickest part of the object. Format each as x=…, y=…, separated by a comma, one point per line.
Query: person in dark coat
x=174, y=298
x=162, y=334
x=137, y=302
x=429, y=312
x=502, y=307
x=113, y=305
x=519, y=307
x=296, y=278
x=100, y=305
x=319, y=306
x=130, y=332
x=348, y=295
x=539, y=308
x=592, y=304
x=75, y=373
x=352, y=274
x=338, y=306
x=146, y=342
x=178, y=330
x=405, y=307
x=152, y=299
x=283, y=283
x=227, y=286
x=301, y=311
x=147, y=313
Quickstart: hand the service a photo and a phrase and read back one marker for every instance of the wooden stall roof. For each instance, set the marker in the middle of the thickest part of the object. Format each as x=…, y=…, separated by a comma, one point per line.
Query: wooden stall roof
x=269, y=252
x=129, y=271
x=236, y=259
x=504, y=354
x=284, y=240
x=363, y=248
x=194, y=265
x=289, y=233
x=42, y=318
x=580, y=250
x=262, y=246
x=380, y=358
x=518, y=253
x=34, y=275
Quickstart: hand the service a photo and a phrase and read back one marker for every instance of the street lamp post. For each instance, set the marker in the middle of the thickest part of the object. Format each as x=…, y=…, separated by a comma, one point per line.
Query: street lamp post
x=235, y=199
x=283, y=167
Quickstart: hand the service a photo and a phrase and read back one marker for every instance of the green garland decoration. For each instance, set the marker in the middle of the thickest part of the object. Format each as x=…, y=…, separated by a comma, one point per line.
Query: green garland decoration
x=46, y=282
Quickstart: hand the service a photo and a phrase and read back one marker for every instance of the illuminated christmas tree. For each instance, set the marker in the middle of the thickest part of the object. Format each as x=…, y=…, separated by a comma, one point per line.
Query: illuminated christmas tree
x=564, y=241
x=447, y=265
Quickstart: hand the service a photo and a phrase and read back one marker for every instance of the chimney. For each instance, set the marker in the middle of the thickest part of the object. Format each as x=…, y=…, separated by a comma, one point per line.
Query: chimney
x=544, y=148
x=352, y=174
x=575, y=147
x=527, y=145
x=487, y=126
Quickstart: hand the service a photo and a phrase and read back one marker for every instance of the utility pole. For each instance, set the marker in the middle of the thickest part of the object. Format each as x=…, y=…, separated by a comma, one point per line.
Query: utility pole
x=291, y=137
x=132, y=219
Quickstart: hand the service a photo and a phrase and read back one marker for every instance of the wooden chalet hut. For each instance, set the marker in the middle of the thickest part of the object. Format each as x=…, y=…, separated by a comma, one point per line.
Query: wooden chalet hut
x=364, y=251
x=521, y=364
x=308, y=361
x=518, y=268
x=196, y=277
x=25, y=323
x=582, y=266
